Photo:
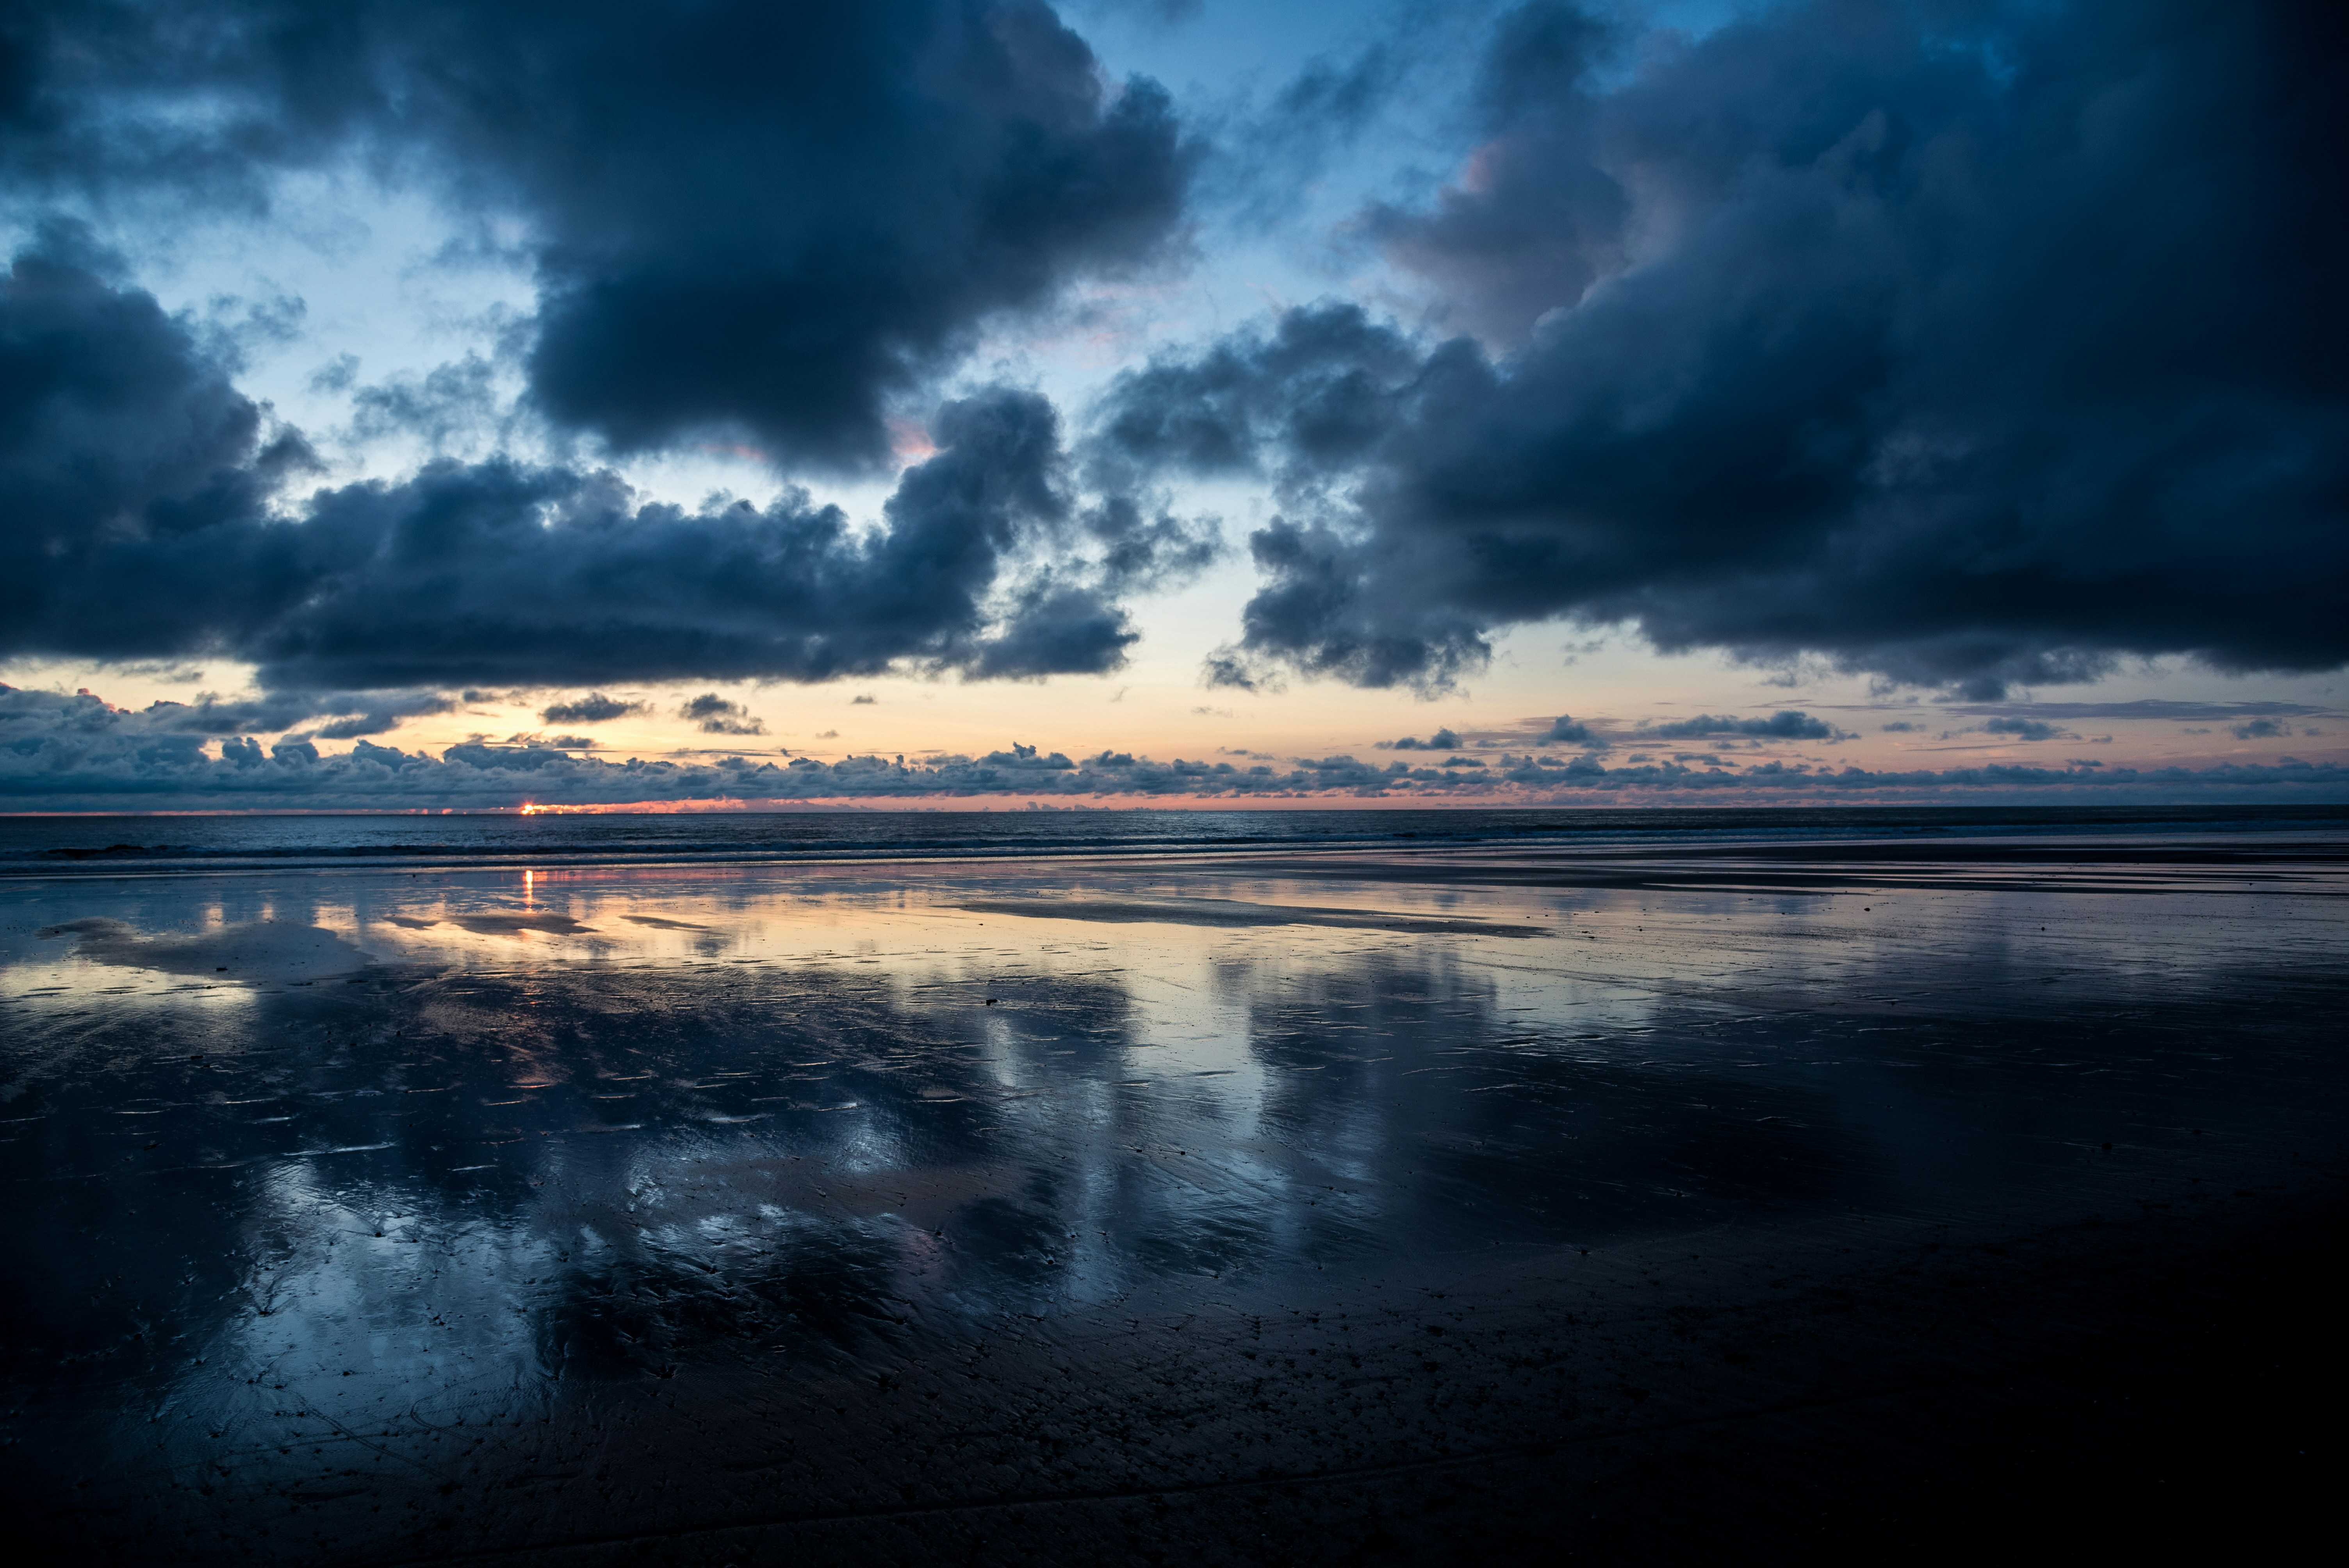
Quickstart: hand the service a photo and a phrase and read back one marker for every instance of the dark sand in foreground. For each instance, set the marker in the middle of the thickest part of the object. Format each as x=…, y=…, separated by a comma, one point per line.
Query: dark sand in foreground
x=1774, y=1202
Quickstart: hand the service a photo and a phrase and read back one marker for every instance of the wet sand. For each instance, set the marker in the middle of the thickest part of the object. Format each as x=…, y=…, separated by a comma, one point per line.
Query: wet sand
x=1626, y=1207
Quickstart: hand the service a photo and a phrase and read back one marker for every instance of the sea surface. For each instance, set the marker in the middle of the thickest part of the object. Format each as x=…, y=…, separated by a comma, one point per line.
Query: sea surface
x=31, y=844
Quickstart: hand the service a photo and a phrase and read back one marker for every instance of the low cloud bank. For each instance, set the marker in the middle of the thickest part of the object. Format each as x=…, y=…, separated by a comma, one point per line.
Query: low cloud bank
x=1787, y=724
x=79, y=753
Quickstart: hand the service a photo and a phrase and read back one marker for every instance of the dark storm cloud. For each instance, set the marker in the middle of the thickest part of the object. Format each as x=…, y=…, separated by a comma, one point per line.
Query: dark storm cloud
x=78, y=753
x=116, y=427
x=1322, y=613
x=1567, y=730
x=1143, y=550
x=1787, y=724
x=592, y=708
x=567, y=577
x=330, y=716
x=716, y=716
x=1965, y=346
x=762, y=219
x=380, y=714
x=1226, y=670
x=1052, y=628
x=1525, y=233
x=146, y=510
x=1315, y=391
x=2027, y=729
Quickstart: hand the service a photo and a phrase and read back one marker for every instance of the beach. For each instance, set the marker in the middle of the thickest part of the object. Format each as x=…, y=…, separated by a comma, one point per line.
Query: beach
x=1155, y=782
x=1634, y=1198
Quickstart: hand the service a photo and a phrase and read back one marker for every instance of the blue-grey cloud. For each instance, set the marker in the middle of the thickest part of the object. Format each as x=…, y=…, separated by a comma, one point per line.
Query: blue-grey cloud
x=1532, y=231
x=1226, y=668
x=77, y=753
x=1442, y=740
x=592, y=708
x=1787, y=724
x=449, y=407
x=298, y=715
x=133, y=476
x=1319, y=614
x=1263, y=157
x=146, y=508
x=756, y=220
x=2143, y=707
x=1143, y=548
x=1921, y=338
x=1567, y=730
x=1164, y=12
x=2027, y=729
x=718, y=715
x=379, y=713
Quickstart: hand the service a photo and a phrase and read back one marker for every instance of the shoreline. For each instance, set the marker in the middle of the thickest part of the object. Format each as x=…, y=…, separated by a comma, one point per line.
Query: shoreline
x=2064, y=862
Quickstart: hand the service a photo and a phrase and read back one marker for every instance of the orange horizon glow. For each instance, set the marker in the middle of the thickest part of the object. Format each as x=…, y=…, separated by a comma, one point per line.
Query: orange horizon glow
x=981, y=805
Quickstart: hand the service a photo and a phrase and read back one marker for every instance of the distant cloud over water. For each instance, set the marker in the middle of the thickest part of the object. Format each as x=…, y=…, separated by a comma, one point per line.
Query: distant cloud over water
x=78, y=753
x=1787, y=724
x=1442, y=740
x=592, y=708
x=717, y=715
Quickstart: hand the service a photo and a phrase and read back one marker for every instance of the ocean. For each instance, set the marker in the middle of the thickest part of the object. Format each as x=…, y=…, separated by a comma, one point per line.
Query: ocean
x=31, y=845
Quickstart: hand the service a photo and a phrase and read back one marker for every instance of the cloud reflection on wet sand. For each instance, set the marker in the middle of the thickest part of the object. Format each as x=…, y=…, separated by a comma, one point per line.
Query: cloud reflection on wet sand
x=535, y=1147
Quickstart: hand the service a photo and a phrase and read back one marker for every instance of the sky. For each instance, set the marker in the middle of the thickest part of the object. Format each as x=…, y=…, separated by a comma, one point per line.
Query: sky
x=939, y=402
